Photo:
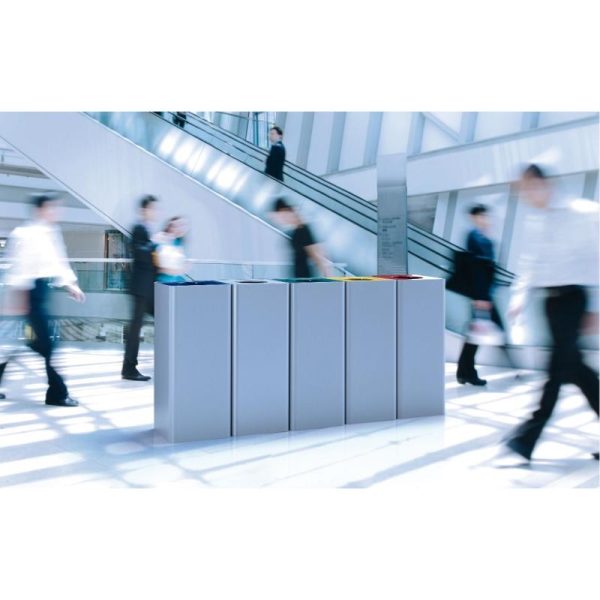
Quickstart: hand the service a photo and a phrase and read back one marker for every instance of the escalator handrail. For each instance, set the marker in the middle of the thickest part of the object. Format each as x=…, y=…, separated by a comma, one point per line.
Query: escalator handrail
x=435, y=243
x=249, y=148
x=259, y=153
x=371, y=221
x=342, y=192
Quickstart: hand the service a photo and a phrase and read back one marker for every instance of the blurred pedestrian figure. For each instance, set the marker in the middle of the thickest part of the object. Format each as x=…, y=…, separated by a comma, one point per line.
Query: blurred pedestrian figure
x=38, y=259
x=143, y=275
x=561, y=258
x=481, y=275
x=276, y=158
x=170, y=252
x=306, y=251
x=180, y=119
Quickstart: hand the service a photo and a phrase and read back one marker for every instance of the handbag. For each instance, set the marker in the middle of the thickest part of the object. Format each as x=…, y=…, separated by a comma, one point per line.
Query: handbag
x=461, y=278
x=468, y=270
x=482, y=331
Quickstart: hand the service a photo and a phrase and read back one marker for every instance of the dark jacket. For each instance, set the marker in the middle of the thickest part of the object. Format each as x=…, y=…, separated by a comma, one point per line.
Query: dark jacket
x=482, y=249
x=143, y=273
x=275, y=160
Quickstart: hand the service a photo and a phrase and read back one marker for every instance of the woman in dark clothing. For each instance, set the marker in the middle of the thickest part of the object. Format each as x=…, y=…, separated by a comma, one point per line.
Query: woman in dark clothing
x=482, y=249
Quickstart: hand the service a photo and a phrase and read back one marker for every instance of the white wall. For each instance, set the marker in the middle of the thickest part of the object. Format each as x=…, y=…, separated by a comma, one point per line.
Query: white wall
x=362, y=182
x=110, y=174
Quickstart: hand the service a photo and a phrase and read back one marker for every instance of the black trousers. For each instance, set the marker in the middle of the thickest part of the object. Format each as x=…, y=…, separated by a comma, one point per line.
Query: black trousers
x=466, y=361
x=39, y=321
x=565, y=307
x=140, y=307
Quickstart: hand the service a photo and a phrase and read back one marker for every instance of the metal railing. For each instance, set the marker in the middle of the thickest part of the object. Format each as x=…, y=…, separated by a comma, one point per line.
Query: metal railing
x=112, y=275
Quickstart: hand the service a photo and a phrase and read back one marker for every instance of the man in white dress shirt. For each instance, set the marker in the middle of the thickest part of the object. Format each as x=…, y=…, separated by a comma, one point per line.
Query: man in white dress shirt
x=37, y=257
x=561, y=257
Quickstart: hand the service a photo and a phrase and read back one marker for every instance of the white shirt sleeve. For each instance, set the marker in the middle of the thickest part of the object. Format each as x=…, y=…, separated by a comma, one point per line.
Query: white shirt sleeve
x=17, y=274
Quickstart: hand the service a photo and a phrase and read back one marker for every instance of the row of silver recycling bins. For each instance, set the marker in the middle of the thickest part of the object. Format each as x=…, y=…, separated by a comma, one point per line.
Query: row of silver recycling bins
x=249, y=357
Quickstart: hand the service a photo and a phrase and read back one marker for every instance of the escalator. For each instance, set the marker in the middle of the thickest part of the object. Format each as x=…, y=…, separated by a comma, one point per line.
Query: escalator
x=234, y=167
x=156, y=133
x=216, y=178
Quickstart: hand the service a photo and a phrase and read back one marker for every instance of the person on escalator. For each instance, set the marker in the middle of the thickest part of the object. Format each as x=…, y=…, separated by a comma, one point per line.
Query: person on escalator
x=143, y=275
x=180, y=119
x=276, y=158
x=481, y=248
x=306, y=251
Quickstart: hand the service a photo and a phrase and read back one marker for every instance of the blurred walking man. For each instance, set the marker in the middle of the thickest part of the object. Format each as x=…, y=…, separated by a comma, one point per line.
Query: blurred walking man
x=37, y=257
x=143, y=276
x=561, y=258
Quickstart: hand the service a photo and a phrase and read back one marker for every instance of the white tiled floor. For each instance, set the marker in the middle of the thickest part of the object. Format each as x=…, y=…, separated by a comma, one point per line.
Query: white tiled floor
x=108, y=440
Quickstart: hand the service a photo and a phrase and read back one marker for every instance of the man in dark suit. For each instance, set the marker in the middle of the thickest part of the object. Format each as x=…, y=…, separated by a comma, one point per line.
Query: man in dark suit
x=276, y=158
x=142, y=286
x=180, y=119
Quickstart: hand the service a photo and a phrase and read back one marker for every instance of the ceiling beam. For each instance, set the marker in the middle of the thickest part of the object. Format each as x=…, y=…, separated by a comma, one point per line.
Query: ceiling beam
x=441, y=125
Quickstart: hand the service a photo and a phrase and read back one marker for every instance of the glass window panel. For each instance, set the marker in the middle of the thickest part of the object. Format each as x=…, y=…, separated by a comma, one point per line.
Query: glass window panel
x=494, y=124
x=291, y=135
x=354, y=140
x=320, y=142
x=452, y=119
x=434, y=138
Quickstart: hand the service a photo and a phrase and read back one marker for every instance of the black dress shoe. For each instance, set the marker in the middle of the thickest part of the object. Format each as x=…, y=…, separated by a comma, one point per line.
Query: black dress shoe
x=472, y=379
x=135, y=376
x=518, y=448
x=2, y=396
x=64, y=402
x=596, y=455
